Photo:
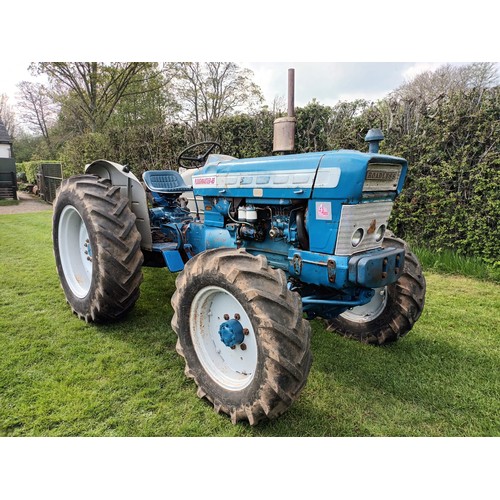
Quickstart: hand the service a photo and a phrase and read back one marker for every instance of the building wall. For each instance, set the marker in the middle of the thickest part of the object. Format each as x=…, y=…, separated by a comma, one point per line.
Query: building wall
x=5, y=151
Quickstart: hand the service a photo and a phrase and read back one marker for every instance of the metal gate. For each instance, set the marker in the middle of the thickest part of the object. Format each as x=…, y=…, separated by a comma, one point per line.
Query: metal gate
x=8, y=180
x=49, y=178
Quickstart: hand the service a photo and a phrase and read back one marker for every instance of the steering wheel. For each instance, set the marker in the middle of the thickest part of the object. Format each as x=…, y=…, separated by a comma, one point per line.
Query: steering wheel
x=200, y=159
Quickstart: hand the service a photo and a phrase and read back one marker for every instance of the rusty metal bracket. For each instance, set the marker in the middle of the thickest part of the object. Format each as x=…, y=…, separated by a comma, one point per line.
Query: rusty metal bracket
x=331, y=266
x=297, y=264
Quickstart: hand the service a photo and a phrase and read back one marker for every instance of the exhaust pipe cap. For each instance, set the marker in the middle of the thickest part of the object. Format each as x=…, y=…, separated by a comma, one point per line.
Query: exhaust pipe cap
x=373, y=138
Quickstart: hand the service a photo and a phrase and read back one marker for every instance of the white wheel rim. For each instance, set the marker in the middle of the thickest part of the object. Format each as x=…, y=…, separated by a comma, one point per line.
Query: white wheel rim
x=75, y=251
x=232, y=369
x=370, y=311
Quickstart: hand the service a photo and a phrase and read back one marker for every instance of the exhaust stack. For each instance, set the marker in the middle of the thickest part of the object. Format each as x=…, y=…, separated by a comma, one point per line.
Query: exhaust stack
x=284, y=128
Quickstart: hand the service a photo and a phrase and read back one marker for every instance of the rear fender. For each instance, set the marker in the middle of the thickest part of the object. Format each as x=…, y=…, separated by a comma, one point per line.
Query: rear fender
x=130, y=186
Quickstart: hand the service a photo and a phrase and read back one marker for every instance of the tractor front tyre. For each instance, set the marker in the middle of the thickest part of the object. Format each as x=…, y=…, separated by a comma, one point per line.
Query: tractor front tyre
x=393, y=310
x=241, y=333
x=96, y=248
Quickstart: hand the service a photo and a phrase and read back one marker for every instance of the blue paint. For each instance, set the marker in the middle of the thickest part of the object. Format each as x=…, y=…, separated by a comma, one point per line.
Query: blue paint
x=231, y=333
x=173, y=260
x=377, y=268
x=373, y=138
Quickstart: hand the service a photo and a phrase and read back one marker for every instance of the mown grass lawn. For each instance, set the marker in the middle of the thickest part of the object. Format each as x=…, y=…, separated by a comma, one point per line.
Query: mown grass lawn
x=62, y=377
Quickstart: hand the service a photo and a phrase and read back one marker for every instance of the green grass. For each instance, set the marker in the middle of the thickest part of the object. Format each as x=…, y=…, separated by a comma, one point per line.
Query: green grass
x=8, y=203
x=62, y=377
x=449, y=262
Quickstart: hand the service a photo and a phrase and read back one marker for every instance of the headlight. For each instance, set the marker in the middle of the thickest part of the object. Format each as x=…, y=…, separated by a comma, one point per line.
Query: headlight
x=357, y=237
x=379, y=233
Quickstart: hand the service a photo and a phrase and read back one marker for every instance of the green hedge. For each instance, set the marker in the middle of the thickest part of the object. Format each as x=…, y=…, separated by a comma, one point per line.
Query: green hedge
x=452, y=195
x=30, y=168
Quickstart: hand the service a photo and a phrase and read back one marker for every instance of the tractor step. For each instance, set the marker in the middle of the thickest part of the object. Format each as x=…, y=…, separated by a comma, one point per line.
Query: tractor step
x=170, y=252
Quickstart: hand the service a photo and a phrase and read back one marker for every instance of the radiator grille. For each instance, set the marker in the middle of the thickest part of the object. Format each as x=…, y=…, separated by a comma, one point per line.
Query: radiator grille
x=369, y=217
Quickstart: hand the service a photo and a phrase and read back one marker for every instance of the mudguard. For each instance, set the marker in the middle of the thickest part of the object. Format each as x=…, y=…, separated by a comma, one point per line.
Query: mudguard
x=130, y=186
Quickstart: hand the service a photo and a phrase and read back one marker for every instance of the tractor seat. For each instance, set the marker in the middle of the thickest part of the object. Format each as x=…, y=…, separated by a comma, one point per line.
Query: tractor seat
x=165, y=181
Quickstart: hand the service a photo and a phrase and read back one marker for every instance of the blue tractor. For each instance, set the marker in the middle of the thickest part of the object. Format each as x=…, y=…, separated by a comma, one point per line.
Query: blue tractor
x=261, y=245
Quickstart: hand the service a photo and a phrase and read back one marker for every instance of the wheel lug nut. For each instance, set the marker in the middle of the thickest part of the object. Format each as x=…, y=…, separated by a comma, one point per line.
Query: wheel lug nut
x=237, y=316
x=245, y=331
x=233, y=347
x=226, y=316
x=243, y=347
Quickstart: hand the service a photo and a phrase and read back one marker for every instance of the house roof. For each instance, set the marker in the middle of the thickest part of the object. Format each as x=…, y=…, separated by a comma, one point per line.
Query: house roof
x=4, y=135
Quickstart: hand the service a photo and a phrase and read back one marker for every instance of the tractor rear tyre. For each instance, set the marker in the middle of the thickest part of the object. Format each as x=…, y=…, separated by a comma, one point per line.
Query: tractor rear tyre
x=260, y=375
x=96, y=248
x=393, y=310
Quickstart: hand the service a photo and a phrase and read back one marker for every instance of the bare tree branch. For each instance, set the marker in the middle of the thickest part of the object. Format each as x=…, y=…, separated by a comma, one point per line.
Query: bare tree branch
x=214, y=89
x=7, y=115
x=37, y=109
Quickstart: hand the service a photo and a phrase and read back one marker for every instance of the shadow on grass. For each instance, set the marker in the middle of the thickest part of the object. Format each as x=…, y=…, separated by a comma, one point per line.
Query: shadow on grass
x=434, y=386
x=423, y=385
x=148, y=324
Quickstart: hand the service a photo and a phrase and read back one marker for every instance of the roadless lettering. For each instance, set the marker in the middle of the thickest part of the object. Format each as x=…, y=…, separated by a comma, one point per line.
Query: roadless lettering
x=374, y=175
x=205, y=181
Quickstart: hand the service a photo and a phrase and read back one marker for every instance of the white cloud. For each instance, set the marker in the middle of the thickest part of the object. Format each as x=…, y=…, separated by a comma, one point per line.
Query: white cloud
x=421, y=67
x=372, y=96
x=12, y=73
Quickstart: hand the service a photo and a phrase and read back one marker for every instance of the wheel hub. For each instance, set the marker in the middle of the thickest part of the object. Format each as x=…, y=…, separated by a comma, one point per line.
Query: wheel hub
x=87, y=249
x=231, y=333
x=370, y=311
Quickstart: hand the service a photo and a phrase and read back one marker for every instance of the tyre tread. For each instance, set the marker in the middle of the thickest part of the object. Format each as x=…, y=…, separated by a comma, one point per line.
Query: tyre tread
x=286, y=343
x=409, y=292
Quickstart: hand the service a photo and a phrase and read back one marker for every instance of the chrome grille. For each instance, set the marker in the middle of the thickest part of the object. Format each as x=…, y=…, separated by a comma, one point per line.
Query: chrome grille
x=368, y=216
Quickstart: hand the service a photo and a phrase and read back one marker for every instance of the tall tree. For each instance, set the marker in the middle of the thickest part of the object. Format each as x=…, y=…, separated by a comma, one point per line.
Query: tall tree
x=429, y=86
x=149, y=102
x=212, y=90
x=38, y=110
x=407, y=105
x=7, y=115
x=91, y=90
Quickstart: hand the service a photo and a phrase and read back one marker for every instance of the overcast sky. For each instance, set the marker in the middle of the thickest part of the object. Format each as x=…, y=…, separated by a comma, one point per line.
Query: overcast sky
x=388, y=31
x=330, y=82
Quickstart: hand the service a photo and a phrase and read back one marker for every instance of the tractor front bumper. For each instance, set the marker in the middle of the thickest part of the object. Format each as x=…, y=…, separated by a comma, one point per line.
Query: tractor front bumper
x=370, y=269
x=376, y=269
